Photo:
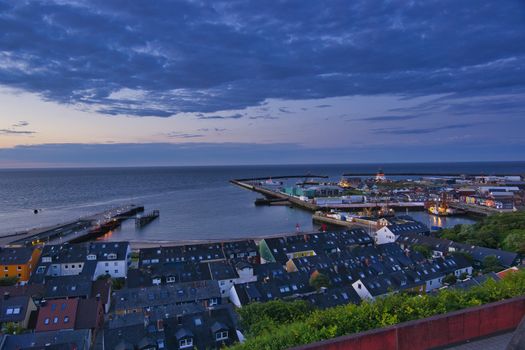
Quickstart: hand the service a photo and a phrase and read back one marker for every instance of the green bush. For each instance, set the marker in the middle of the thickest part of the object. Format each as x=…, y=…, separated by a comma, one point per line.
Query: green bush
x=502, y=231
x=282, y=330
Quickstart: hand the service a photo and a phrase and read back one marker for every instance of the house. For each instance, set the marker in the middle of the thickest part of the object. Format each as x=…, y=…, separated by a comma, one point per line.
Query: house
x=372, y=287
x=245, y=271
x=63, y=340
x=246, y=249
x=210, y=330
x=113, y=258
x=18, y=262
x=206, y=293
x=225, y=274
x=90, y=315
x=185, y=253
x=402, y=225
x=59, y=314
x=187, y=326
x=101, y=290
x=91, y=259
x=331, y=297
x=442, y=247
x=16, y=309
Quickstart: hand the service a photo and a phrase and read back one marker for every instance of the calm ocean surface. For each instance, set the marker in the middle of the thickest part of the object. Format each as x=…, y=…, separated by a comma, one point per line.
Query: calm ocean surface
x=194, y=202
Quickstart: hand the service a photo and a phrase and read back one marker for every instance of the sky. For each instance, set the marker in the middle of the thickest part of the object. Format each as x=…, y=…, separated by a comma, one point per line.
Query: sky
x=119, y=83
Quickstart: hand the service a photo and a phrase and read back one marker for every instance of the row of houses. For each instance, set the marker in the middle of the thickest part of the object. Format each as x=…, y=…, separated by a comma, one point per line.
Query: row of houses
x=184, y=297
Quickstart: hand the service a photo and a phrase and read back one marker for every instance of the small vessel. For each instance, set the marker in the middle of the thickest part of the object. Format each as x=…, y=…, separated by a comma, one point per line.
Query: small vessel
x=344, y=183
x=441, y=209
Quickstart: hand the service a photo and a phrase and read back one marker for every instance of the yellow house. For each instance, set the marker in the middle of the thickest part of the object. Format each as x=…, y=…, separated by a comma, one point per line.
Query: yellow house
x=18, y=262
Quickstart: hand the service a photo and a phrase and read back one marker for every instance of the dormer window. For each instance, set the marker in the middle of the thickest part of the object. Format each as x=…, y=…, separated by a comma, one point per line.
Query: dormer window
x=186, y=343
x=112, y=256
x=221, y=335
x=92, y=257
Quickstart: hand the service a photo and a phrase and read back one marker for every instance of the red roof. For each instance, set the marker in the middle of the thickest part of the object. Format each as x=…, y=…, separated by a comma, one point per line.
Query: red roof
x=504, y=273
x=56, y=315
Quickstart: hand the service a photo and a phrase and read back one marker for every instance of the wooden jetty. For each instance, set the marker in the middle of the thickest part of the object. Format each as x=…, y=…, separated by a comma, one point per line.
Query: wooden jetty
x=143, y=220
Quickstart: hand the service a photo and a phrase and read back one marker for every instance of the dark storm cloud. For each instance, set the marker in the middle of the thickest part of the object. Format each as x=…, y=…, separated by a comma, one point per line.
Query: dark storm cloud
x=233, y=116
x=415, y=131
x=211, y=56
x=267, y=117
x=20, y=124
x=386, y=118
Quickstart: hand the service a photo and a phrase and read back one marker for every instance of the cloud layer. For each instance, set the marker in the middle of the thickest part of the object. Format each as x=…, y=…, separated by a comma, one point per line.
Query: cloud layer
x=160, y=58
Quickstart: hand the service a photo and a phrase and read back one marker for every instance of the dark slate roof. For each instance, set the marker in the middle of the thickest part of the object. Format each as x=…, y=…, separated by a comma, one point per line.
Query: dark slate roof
x=188, y=253
x=269, y=270
x=444, y=245
x=331, y=297
x=13, y=308
x=15, y=256
x=166, y=294
x=239, y=249
x=103, y=249
x=153, y=314
x=406, y=226
x=222, y=270
x=180, y=271
x=129, y=337
x=67, y=287
x=474, y=281
x=70, y=339
x=87, y=314
x=183, y=333
x=202, y=328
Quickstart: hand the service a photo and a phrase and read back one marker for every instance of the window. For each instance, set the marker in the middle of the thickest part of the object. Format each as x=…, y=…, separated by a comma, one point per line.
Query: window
x=55, y=319
x=222, y=335
x=19, y=268
x=213, y=301
x=116, y=271
x=107, y=264
x=9, y=311
x=186, y=343
x=6, y=268
x=66, y=319
x=63, y=306
x=53, y=307
x=46, y=320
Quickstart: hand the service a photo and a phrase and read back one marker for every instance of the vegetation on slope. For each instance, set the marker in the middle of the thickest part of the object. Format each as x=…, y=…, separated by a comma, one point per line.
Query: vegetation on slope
x=280, y=325
x=503, y=231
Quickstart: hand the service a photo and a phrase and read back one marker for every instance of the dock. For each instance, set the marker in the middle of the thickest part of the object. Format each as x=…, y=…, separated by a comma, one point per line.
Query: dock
x=369, y=225
x=143, y=220
x=311, y=206
x=80, y=230
x=476, y=209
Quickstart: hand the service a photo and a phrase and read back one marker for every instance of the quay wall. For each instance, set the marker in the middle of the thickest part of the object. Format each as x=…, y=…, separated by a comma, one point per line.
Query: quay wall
x=433, y=332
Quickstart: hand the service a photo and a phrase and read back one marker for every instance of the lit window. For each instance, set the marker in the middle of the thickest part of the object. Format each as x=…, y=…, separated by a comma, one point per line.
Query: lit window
x=186, y=343
x=66, y=319
x=223, y=335
x=55, y=319
x=46, y=320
